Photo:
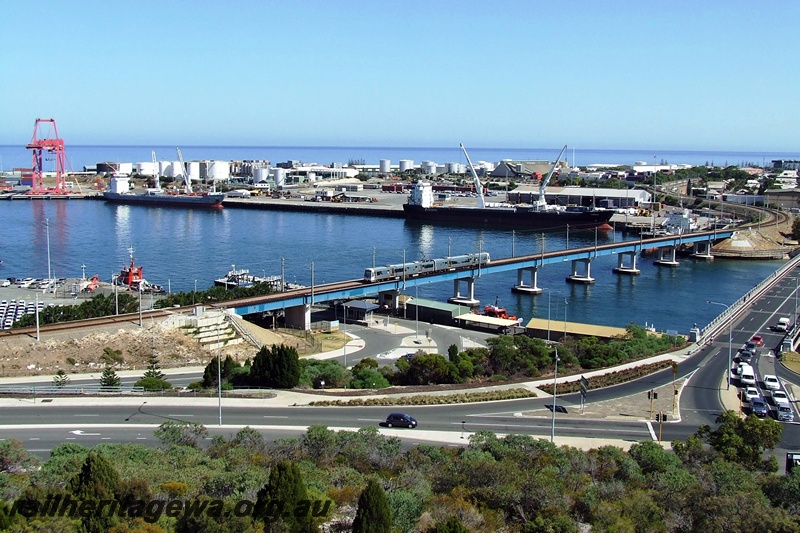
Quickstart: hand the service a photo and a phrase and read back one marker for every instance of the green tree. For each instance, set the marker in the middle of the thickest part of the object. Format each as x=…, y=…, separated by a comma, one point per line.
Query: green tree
x=61, y=379
x=277, y=366
x=154, y=369
x=153, y=384
x=211, y=372
x=743, y=441
x=97, y=480
x=282, y=504
x=109, y=379
x=373, y=515
x=451, y=525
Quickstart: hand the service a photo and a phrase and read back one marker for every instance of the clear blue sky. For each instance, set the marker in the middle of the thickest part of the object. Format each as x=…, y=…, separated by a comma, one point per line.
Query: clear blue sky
x=708, y=75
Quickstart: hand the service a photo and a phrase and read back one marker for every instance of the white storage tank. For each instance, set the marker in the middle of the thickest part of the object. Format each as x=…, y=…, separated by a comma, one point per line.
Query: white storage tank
x=429, y=167
x=385, y=166
x=279, y=176
x=260, y=174
x=165, y=168
x=146, y=168
x=125, y=168
x=194, y=170
x=456, y=168
x=406, y=164
x=219, y=170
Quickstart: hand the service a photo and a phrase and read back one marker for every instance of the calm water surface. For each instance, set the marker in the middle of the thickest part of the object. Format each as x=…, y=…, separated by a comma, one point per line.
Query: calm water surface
x=177, y=247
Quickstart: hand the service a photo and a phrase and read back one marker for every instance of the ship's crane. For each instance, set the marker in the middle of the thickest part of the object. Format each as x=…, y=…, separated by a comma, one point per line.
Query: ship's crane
x=185, y=172
x=157, y=184
x=481, y=204
x=540, y=201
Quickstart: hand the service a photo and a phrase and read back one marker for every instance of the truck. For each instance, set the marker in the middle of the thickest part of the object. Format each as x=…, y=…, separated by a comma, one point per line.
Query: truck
x=783, y=324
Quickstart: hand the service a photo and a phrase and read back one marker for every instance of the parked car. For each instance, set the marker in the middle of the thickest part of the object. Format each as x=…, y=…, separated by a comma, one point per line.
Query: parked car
x=758, y=407
x=779, y=398
x=771, y=382
x=401, y=420
x=757, y=340
x=785, y=413
x=750, y=393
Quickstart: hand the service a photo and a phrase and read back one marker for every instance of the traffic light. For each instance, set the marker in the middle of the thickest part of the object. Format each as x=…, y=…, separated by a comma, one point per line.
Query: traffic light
x=675, y=392
x=663, y=417
x=658, y=417
x=652, y=395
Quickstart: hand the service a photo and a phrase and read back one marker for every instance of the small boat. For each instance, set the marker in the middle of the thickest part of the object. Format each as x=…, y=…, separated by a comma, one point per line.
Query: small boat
x=497, y=312
x=242, y=278
x=131, y=277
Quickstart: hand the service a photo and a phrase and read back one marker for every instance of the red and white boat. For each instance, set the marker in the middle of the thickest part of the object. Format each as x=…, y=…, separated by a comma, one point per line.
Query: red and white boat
x=131, y=277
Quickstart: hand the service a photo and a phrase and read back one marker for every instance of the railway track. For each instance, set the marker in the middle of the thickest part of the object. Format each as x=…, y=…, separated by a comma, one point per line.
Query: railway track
x=131, y=318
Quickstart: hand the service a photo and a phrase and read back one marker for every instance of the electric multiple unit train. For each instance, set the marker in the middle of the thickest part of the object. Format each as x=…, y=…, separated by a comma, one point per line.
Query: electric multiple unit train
x=427, y=266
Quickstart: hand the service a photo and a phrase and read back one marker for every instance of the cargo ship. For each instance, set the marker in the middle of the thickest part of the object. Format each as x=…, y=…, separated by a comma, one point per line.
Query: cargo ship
x=119, y=192
x=538, y=215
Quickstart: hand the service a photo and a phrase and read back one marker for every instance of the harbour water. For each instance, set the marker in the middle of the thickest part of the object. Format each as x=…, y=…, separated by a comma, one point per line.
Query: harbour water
x=179, y=248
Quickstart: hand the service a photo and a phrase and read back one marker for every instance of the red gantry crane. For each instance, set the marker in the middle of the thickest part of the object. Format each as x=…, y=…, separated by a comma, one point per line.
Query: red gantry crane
x=51, y=146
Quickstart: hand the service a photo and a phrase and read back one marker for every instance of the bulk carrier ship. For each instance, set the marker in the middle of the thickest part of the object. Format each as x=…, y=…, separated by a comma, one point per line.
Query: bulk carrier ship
x=538, y=215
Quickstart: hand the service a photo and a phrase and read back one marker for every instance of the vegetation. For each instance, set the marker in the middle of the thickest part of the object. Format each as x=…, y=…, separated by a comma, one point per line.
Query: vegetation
x=716, y=480
x=277, y=366
x=215, y=293
x=109, y=378
x=435, y=399
x=95, y=307
x=61, y=379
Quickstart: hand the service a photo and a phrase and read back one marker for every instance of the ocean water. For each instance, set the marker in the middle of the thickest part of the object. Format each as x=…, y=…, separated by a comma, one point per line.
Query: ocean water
x=181, y=247
x=80, y=156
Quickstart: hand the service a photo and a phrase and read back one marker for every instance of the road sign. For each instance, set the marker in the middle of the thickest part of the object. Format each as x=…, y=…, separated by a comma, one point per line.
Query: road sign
x=584, y=385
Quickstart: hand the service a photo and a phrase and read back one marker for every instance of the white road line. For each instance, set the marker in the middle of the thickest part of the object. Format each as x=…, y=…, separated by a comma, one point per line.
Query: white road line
x=275, y=416
x=34, y=438
x=172, y=414
x=652, y=431
x=370, y=419
x=85, y=415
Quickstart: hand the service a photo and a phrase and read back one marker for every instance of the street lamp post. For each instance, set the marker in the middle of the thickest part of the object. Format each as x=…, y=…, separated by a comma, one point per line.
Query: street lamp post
x=555, y=398
x=219, y=376
x=730, y=343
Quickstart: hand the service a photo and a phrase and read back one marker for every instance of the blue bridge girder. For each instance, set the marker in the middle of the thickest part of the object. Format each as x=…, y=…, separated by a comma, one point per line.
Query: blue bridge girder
x=357, y=288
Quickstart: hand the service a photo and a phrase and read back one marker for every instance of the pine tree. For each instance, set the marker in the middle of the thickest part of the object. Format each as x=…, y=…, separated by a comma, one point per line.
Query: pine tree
x=373, y=515
x=154, y=369
x=283, y=502
x=210, y=373
x=109, y=378
x=61, y=379
x=278, y=366
x=97, y=480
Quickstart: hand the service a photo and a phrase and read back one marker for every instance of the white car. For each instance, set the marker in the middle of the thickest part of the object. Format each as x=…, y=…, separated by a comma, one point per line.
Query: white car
x=779, y=398
x=771, y=382
x=750, y=393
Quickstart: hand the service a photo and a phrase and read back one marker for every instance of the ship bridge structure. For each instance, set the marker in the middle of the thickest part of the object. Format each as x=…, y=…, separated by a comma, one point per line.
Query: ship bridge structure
x=296, y=304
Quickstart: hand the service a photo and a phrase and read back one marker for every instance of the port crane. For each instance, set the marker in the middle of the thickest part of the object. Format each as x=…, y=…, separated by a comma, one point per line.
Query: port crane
x=53, y=145
x=185, y=173
x=541, y=203
x=481, y=203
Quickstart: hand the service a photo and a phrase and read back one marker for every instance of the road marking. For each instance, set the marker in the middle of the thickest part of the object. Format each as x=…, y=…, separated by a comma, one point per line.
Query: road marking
x=80, y=432
x=105, y=438
x=173, y=414
x=275, y=416
x=652, y=431
x=370, y=419
x=141, y=438
x=71, y=438
x=561, y=426
x=85, y=415
x=34, y=438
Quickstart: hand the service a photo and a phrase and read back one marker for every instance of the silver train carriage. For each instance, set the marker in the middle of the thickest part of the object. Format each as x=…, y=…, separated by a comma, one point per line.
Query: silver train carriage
x=428, y=266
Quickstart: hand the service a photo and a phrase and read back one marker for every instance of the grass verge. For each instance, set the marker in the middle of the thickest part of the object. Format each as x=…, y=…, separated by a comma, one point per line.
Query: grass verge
x=433, y=399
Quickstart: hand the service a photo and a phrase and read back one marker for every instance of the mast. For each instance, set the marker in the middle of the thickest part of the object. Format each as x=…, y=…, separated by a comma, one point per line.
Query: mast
x=481, y=204
x=541, y=200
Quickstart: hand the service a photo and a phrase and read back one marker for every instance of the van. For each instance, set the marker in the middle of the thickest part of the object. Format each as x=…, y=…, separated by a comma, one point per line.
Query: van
x=747, y=375
x=783, y=324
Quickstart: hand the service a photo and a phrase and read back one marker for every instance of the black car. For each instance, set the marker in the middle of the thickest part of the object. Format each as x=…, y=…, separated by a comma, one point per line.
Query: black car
x=745, y=356
x=401, y=420
x=758, y=407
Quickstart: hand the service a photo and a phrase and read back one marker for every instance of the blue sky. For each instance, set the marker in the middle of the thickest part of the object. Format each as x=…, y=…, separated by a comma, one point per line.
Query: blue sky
x=712, y=75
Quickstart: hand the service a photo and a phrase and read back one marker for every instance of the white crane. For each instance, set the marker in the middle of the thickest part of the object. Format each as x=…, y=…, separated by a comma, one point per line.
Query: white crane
x=541, y=203
x=157, y=185
x=481, y=203
x=184, y=172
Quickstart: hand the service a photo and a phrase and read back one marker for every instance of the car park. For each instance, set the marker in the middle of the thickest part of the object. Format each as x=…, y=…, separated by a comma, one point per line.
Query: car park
x=758, y=340
x=780, y=398
x=785, y=413
x=401, y=420
x=771, y=382
x=758, y=407
x=750, y=393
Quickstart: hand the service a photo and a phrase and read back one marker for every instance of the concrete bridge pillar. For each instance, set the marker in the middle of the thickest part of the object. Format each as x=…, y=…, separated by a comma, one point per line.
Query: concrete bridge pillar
x=298, y=316
x=666, y=256
x=468, y=300
x=702, y=250
x=622, y=268
x=586, y=278
x=527, y=289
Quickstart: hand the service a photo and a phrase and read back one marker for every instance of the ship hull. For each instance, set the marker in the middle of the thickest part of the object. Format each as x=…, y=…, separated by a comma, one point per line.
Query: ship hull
x=510, y=217
x=207, y=201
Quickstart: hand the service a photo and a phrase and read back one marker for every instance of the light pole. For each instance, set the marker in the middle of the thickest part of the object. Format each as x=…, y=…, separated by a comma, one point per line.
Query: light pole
x=83, y=272
x=219, y=376
x=195, y=291
x=730, y=343
x=555, y=398
x=47, y=226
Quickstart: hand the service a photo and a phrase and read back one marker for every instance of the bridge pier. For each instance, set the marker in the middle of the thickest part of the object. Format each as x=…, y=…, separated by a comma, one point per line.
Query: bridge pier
x=702, y=250
x=585, y=279
x=527, y=289
x=622, y=269
x=298, y=316
x=663, y=260
x=468, y=300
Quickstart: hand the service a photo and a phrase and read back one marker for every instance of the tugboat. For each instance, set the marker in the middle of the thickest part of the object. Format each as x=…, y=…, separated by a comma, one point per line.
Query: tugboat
x=497, y=312
x=132, y=278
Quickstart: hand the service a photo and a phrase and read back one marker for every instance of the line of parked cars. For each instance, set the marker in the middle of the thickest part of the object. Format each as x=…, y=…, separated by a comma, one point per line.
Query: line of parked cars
x=771, y=385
